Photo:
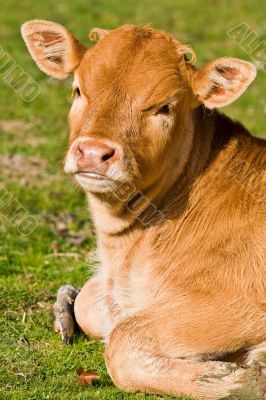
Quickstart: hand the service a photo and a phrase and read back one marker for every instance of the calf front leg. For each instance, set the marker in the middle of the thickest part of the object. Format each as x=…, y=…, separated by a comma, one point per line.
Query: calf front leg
x=94, y=309
x=89, y=309
x=163, y=350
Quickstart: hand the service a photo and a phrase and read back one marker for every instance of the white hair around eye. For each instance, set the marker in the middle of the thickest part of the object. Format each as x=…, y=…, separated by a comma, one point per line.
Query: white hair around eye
x=76, y=82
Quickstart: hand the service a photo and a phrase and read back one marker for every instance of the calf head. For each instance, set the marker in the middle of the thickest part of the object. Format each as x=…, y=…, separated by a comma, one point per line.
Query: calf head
x=134, y=91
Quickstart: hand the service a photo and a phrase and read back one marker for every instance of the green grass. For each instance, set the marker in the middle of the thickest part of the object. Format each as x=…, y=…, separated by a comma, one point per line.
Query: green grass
x=34, y=364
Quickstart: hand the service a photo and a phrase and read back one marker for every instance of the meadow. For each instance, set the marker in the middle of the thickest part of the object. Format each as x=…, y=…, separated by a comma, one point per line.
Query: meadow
x=57, y=246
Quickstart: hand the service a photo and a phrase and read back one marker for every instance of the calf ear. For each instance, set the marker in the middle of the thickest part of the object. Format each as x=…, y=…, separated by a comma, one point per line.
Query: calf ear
x=53, y=48
x=98, y=33
x=222, y=81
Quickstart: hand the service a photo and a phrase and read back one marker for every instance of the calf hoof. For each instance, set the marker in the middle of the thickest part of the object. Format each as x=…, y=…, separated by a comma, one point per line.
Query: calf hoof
x=244, y=383
x=63, y=312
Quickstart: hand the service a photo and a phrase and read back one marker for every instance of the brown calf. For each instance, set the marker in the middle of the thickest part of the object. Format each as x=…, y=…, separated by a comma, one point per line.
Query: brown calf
x=177, y=194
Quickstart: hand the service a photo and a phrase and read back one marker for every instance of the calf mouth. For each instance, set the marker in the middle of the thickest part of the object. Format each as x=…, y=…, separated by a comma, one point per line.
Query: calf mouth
x=95, y=182
x=91, y=180
x=91, y=175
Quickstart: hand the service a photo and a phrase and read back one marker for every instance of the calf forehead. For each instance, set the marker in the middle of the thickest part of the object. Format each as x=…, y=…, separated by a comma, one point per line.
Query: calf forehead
x=130, y=59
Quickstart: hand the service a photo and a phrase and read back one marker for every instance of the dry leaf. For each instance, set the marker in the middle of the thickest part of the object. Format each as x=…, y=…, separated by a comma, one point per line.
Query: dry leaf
x=87, y=377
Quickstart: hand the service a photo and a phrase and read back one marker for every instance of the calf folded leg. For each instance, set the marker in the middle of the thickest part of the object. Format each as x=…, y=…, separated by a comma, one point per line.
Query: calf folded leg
x=89, y=309
x=163, y=351
x=95, y=311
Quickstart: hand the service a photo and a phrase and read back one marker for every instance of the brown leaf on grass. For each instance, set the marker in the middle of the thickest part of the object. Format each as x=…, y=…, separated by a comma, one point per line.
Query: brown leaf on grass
x=54, y=247
x=87, y=377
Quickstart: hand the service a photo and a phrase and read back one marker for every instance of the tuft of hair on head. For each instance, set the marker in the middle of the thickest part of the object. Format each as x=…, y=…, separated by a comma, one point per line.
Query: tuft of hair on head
x=98, y=33
x=187, y=59
x=187, y=52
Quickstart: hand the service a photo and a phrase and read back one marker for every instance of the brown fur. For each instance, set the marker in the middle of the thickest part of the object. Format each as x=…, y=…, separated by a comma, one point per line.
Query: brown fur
x=183, y=289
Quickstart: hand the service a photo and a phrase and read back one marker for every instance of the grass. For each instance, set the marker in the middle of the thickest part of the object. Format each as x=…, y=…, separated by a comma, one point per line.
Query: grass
x=34, y=364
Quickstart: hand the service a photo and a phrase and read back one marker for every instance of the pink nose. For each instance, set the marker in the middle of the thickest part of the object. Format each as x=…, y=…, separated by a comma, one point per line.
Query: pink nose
x=94, y=156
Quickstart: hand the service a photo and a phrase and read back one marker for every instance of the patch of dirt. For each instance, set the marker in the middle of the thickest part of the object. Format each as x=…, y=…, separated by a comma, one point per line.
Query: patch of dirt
x=74, y=230
x=12, y=125
x=28, y=171
x=21, y=131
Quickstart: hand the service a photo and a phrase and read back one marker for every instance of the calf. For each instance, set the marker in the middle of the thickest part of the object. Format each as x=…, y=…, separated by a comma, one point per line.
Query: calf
x=177, y=195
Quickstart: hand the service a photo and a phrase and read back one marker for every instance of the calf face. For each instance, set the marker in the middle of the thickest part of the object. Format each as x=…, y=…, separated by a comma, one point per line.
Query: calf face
x=133, y=93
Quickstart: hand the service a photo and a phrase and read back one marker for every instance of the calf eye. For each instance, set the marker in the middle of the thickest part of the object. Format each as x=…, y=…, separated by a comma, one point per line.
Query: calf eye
x=164, y=110
x=77, y=92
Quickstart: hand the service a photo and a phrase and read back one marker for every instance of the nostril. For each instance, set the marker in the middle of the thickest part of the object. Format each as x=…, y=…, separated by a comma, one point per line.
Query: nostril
x=79, y=153
x=108, y=155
